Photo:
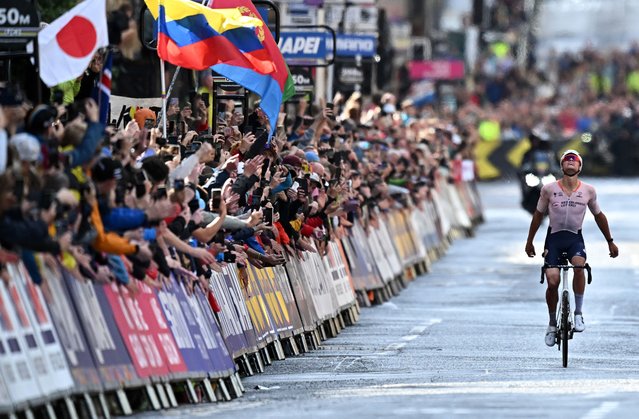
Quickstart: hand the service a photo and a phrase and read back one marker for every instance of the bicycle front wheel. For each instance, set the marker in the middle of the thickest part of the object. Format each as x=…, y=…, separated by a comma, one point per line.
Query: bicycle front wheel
x=565, y=326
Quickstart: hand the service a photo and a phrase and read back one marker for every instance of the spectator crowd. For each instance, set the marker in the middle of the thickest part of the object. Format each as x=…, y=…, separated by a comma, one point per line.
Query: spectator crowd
x=590, y=93
x=127, y=204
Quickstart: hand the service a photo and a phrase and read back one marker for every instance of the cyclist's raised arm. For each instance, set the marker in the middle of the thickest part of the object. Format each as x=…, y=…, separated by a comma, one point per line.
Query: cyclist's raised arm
x=538, y=216
x=534, y=226
x=602, y=223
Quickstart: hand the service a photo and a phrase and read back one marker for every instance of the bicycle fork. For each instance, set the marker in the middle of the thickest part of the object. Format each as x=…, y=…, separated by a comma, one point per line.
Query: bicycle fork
x=564, y=314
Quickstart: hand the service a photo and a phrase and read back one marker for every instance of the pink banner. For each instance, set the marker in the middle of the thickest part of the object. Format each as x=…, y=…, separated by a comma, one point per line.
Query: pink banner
x=145, y=331
x=436, y=70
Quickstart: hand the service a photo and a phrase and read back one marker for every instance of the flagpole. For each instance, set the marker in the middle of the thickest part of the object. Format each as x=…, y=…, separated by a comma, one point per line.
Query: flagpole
x=162, y=77
x=163, y=81
x=168, y=93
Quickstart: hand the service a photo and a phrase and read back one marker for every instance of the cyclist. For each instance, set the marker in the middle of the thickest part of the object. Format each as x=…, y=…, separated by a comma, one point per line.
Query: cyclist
x=566, y=201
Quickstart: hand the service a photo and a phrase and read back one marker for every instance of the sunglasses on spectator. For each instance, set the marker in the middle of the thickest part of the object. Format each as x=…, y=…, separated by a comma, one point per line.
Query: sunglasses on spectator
x=571, y=157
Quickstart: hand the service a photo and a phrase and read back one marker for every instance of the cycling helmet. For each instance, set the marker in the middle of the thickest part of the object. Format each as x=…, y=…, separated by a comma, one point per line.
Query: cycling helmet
x=573, y=153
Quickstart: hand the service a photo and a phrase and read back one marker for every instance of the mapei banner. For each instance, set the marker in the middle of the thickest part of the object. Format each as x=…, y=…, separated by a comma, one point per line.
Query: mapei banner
x=304, y=45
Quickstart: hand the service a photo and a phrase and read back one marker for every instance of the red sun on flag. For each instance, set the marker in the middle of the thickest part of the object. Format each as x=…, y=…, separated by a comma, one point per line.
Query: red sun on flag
x=78, y=37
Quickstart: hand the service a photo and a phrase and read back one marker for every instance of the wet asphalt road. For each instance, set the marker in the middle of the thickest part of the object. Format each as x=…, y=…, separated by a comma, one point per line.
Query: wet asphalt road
x=466, y=340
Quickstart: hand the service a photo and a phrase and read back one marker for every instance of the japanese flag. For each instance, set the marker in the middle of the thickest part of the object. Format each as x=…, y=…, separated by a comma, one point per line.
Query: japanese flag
x=67, y=45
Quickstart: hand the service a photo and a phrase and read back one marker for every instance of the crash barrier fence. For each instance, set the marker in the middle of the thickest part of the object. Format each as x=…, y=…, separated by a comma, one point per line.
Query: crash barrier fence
x=74, y=348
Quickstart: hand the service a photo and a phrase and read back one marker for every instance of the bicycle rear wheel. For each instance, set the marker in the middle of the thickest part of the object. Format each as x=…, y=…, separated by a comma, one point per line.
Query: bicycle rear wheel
x=565, y=326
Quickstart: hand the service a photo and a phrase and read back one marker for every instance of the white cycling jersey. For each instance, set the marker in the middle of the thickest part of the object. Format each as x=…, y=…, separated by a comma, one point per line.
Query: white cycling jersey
x=567, y=212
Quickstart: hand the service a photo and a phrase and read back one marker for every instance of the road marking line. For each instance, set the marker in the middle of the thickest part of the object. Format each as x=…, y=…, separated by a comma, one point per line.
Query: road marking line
x=601, y=411
x=414, y=333
x=418, y=330
x=408, y=338
x=395, y=346
x=339, y=364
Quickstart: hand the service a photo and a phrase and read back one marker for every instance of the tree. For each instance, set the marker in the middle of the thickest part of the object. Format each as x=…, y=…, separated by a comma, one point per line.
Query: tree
x=50, y=10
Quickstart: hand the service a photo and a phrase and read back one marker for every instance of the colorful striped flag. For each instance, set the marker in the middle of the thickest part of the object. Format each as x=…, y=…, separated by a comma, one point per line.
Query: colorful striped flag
x=194, y=36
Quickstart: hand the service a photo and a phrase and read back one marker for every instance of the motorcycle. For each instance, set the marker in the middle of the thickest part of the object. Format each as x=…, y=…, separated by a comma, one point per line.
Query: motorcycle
x=535, y=172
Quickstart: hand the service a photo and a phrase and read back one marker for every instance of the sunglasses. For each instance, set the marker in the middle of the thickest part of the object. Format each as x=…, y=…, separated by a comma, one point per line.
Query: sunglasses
x=571, y=157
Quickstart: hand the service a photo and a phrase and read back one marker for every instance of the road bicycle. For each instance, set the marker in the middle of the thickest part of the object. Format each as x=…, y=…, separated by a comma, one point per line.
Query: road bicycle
x=565, y=321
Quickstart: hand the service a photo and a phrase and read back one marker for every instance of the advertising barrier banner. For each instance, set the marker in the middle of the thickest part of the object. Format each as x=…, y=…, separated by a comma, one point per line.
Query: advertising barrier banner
x=101, y=332
x=389, y=249
x=442, y=209
x=5, y=398
x=360, y=273
x=15, y=367
x=145, y=331
x=69, y=329
x=257, y=306
x=223, y=364
x=238, y=292
x=379, y=257
x=338, y=274
x=301, y=293
x=274, y=298
x=45, y=353
x=436, y=70
x=284, y=286
x=230, y=325
x=320, y=285
x=363, y=266
x=412, y=235
x=186, y=331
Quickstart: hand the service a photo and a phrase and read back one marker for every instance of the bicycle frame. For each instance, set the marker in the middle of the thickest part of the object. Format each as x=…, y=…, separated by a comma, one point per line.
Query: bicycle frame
x=565, y=319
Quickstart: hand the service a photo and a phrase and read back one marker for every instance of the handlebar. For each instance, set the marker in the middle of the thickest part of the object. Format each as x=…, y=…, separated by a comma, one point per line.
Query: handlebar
x=566, y=267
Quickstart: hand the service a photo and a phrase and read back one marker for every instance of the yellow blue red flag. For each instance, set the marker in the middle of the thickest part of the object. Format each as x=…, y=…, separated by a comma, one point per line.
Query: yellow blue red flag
x=197, y=37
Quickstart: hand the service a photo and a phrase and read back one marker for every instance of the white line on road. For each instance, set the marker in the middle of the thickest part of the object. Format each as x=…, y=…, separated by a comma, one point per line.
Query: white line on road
x=414, y=333
x=501, y=387
x=395, y=346
x=418, y=330
x=601, y=411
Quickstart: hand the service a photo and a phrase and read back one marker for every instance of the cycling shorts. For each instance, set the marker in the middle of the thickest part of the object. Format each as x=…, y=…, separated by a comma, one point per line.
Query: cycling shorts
x=564, y=241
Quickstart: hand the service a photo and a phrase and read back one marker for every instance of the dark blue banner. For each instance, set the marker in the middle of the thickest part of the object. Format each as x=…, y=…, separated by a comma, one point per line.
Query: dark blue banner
x=353, y=45
x=304, y=45
x=319, y=45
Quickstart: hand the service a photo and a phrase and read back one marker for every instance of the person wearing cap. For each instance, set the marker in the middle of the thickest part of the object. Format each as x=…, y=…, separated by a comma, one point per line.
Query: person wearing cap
x=27, y=147
x=566, y=201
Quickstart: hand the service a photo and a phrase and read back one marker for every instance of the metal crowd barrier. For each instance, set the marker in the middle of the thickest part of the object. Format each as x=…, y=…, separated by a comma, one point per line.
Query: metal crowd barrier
x=74, y=348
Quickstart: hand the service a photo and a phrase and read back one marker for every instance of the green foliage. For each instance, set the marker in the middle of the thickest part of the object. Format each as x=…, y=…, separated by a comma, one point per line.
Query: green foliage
x=50, y=10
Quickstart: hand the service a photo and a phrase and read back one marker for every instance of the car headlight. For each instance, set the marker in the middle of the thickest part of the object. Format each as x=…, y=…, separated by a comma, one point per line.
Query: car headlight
x=531, y=180
x=548, y=179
